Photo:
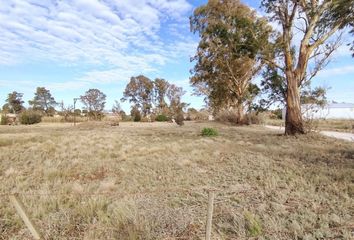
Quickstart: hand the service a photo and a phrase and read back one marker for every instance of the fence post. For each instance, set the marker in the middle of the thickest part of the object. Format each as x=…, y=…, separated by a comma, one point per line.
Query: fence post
x=210, y=214
x=23, y=214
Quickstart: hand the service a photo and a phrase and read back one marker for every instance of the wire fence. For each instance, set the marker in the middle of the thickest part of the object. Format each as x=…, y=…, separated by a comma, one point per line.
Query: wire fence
x=204, y=199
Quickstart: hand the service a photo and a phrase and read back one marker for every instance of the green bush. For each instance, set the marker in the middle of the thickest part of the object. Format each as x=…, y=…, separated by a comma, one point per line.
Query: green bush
x=161, y=118
x=30, y=117
x=4, y=120
x=209, y=132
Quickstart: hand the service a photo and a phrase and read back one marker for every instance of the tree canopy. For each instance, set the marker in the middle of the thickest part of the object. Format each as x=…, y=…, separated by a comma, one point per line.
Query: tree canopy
x=232, y=38
x=94, y=101
x=43, y=101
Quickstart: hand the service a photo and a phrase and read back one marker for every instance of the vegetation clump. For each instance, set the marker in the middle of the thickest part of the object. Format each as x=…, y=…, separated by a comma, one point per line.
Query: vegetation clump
x=161, y=118
x=209, y=132
x=180, y=119
x=30, y=117
x=4, y=120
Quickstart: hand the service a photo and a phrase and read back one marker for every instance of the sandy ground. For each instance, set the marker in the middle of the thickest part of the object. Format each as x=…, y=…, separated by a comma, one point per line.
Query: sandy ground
x=338, y=135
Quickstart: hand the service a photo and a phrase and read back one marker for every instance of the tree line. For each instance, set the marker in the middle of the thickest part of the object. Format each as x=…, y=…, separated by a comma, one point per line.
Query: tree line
x=148, y=98
x=237, y=45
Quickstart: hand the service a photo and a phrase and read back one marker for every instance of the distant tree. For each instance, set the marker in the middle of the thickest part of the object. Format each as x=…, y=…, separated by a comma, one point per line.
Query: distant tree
x=315, y=24
x=116, y=109
x=43, y=101
x=232, y=37
x=94, y=101
x=6, y=108
x=160, y=90
x=140, y=92
x=66, y=111
x=14, y=102
x=174, y=95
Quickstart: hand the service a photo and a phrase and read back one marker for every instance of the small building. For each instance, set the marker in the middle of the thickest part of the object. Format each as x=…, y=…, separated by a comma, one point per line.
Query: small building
x=329, y=111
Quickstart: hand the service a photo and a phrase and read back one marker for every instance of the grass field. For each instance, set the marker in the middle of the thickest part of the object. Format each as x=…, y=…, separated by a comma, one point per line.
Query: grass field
x=150, y=181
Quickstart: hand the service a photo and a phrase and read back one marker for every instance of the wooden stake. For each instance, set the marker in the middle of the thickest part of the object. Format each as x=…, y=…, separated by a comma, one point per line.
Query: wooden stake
x=210, y=215
x=21, y=211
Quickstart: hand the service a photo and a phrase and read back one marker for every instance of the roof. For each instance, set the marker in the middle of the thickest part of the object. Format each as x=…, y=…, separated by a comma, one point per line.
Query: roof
x=340, y=105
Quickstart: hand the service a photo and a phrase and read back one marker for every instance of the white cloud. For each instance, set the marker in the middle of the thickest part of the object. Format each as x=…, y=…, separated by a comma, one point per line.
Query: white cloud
x=330, y=72
x=124, y=36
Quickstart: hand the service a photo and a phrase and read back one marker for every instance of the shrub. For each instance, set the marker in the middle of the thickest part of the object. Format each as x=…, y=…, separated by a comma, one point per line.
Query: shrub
x=161, y=118
x=209, y=132
x=30, y=117
x=228, y=116
x=254, y=118
x=4, y=120
x=180, y=119
x=137, y=117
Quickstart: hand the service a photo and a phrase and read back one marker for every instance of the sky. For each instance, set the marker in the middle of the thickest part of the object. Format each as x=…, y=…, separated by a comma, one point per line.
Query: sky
x=70, y=46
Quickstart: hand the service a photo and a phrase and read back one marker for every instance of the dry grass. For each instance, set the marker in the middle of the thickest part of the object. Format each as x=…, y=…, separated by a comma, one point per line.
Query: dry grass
x=149, y=181
x=341, y=125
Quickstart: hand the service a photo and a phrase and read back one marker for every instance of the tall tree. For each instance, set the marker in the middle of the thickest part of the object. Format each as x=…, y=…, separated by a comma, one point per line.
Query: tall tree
x=160, y=90
x=140, y=92
x=315, y=24
x=15, y=102
x=94, y=101
x=232, y=37
x=43, y=101
x=174, y=95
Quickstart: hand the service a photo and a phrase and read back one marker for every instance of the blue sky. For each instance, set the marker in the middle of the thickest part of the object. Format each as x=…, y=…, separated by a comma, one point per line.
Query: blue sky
x=71, y=46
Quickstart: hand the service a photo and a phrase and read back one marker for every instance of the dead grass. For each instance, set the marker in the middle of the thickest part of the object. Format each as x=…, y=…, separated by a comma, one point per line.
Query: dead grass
x=149, y=181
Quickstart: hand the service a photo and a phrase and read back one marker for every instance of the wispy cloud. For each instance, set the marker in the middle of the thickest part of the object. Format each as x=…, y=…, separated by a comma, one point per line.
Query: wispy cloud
x=330, y=72
x=124, y=37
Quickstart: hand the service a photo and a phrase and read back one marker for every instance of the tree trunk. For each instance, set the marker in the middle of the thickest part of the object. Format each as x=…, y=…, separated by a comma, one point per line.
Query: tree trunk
x=240, y=113
x=293, y=122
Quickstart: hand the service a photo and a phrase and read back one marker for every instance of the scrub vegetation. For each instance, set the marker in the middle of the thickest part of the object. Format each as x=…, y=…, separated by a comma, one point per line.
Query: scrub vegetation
x=150, y=181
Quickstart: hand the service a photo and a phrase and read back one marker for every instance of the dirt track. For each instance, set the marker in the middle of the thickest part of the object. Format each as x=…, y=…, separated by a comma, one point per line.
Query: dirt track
x=338, y=135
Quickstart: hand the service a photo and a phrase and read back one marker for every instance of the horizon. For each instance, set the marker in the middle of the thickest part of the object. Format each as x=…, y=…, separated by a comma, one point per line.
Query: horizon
x=70, y=48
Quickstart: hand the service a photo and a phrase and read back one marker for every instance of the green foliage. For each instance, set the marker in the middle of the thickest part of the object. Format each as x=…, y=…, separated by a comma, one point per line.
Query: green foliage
x=232, y=37
x=14, y=102
x=30, y=117
x=43, y=101
x=4, y=120
x=161, y=118
x=252, y=225
x=209, y=132
x=94, y=101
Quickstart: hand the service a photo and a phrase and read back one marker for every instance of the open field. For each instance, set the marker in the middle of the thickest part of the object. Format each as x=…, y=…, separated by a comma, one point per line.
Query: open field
x=150, y=181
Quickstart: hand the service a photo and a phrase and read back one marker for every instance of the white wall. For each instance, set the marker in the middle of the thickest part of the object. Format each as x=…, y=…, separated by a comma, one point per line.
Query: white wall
x=325, y=113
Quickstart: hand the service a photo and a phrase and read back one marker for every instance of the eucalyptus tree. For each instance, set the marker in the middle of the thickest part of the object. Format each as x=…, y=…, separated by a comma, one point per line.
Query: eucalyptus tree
x=309, y=32
x=228, y=57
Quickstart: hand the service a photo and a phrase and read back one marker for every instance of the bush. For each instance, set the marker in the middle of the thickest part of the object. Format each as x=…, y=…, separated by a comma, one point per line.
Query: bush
x=137, y=117
x=254, y=118
x=209, y=132
x=161, y=118
x=229, y=116
x=180, y=119
x=4, y=120
x=30, y=117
